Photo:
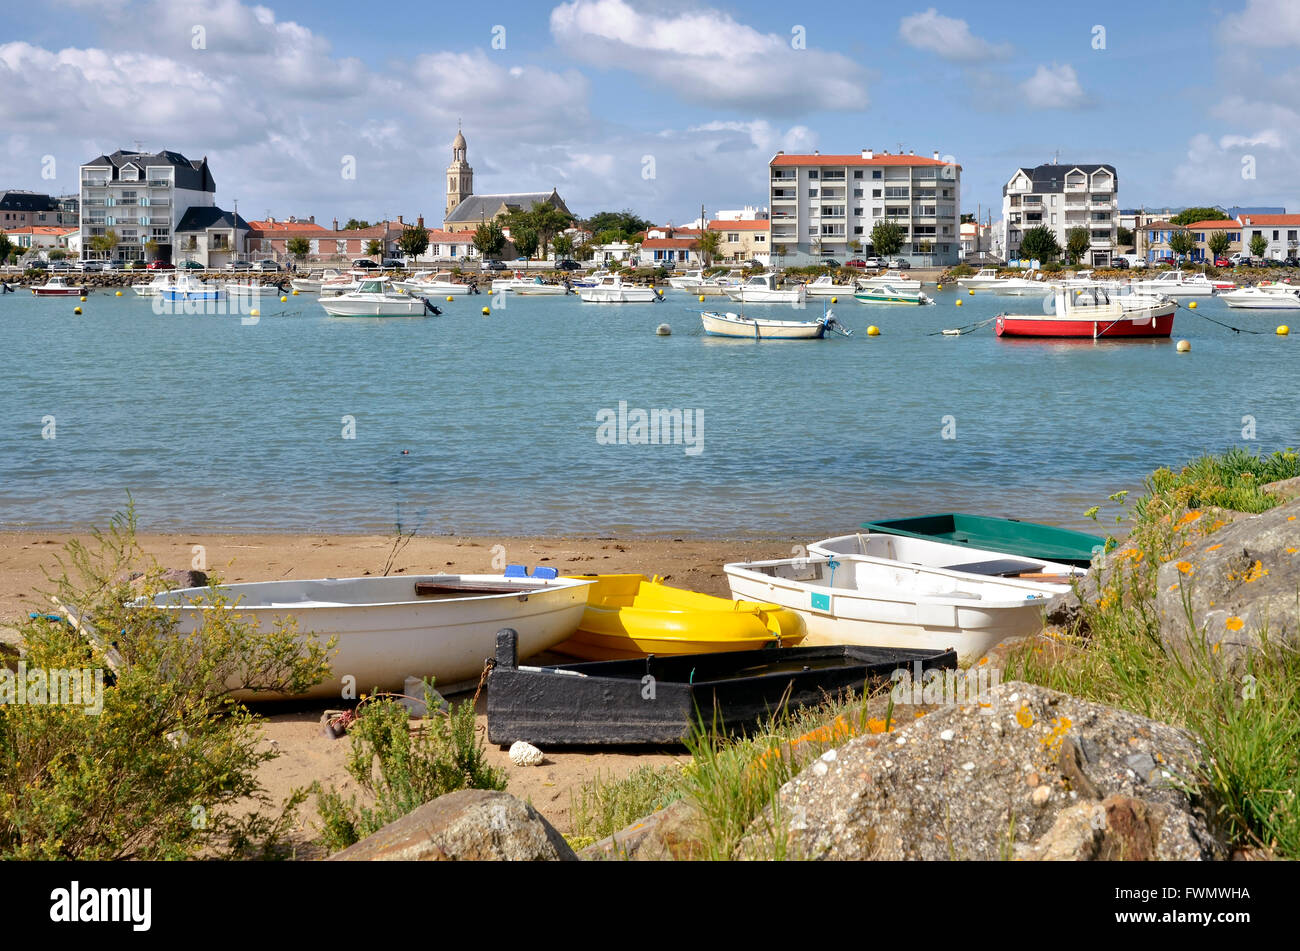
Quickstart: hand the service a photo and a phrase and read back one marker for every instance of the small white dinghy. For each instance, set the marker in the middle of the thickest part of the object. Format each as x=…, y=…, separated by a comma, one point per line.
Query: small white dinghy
x=757, y=328
x=1035, y=573
x=391, y=628
x=877, y=602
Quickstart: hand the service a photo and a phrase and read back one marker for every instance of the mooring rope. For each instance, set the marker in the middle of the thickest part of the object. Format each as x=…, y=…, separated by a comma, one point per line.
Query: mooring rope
x=1239, y=330
x=969, y=328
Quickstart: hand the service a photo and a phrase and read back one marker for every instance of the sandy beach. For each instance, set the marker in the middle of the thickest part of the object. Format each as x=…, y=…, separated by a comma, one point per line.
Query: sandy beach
x=306, y=755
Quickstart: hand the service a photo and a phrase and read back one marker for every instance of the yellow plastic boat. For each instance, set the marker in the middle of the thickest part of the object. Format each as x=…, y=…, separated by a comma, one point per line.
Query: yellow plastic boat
x=631, y=616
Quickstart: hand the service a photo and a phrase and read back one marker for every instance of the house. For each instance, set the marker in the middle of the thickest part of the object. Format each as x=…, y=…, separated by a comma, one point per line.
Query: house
x=41, y=238
x=450, y=247
x=211, y=236
x=269, y=238
x=976, y=241
x=616, y=252
x=1281, y=234
x=1063, y=198
x=1156, y=236
x=743, y=239
x=20, y=208
x=825, y=206
x=669, y=252
x=140, y=197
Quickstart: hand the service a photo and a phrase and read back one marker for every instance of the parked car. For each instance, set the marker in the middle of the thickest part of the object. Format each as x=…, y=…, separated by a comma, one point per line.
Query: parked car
x=191, y=266
x=873, y=261
x=1291, y=262
x=899, y=264
x=161, y=266
x=238, y=266
x=59, y=266
x=856, y=262
x=493, y=266
x=89, y=267
x=37, y=266
x=1166, y=260
x=1222, y=262
x=266, y=266
x=830, y=262
x=568, y=265
x=1119, y=263
x=365, y=263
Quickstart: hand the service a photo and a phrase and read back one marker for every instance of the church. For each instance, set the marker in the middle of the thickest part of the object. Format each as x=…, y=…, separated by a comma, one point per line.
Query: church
x=466, y=210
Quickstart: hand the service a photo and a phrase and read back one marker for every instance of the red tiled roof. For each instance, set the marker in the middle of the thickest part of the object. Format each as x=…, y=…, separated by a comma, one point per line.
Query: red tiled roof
x=1213, y=223
x=1290, y=220
x=44, y=229
x=783, y=160
x=438, y=236
x=285, y=226
x=759, y=225
x=653, y=243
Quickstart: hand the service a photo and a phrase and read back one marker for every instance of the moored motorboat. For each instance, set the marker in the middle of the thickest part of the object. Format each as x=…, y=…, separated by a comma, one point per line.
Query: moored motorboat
x=632, y=616
x=186, y=288
x=985, y=279
x=825, y=286
x=391, y=628
x=536, y=287
x=988, y=533
x=757, y=328
x=311, y=284
x=611, y=290
x=441, y=283
x=888, y=294
x=1273, y=297
x=375, y=298
x=890, y=278
x=58, y=286
x=878, y=602
x=154, y=288
x=1095, y=314
x=1174, y=284
x=762, y=289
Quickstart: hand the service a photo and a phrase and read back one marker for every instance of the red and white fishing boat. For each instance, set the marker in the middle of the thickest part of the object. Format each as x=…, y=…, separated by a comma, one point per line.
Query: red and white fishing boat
x=1094, y=313
x=58, y=287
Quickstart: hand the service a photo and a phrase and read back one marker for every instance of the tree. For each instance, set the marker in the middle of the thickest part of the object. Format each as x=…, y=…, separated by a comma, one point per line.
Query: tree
x=1040, y=244
x=708, y=245
x=105, y=243
x=546, y=220
x=886, y=238
x=1124, y=237
x=525, y=241
x=6, y=246
x=1187, y=216
x=489, y=239
x=151, y=249
x=562, y=245
x=1258, y=245
x=413, y=242
x=1077, y=243
x=1182, y=242
x=374, y=247
x=1219, y=244
x=355, y=225
x=57, y=254
x=623, y=223
x=298, y=247
x=967, y=218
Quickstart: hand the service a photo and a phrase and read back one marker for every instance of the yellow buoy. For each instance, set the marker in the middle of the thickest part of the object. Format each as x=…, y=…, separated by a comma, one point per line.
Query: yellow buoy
x=119, y=293
x=1078, y=291
x=83, y=298
x=940, y=287
x=972, y=292
x=835, y=300
x=1283, y=330
x=1192, y=305
x=295, y=292
x=1184, y=346
x=283, y=299
x=486, y=311
x=76, y=310
x=959, y=302
x=701, y=298
x=873, y=331
x=449, y=298
x=254, y=313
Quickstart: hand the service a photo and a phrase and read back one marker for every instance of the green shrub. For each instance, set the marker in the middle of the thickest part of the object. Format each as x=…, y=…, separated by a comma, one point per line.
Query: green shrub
x=158, y=772
x=603, y=806
x=402, y=768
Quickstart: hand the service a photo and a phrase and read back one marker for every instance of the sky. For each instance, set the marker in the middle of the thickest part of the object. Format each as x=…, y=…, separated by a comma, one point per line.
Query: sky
x=657, y=107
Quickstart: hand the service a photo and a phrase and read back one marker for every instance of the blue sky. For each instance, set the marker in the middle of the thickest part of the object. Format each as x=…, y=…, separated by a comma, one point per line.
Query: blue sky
x=1179, y=97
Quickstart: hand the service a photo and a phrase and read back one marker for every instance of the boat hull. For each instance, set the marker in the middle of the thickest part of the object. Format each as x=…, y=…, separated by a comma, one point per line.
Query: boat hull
x=1039, y=574
x=878, y=603
x=1009, y=536
x=721, y=325
x=340, y=307
x=632, y=616
x=386, y=634
x=1109, y=328
x=620, y=295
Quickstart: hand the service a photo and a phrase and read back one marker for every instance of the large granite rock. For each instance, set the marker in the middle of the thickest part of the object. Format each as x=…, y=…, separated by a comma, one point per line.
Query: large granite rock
x=1237, y=582
x=674, y=832
x=1029, y=773
x=467, y=825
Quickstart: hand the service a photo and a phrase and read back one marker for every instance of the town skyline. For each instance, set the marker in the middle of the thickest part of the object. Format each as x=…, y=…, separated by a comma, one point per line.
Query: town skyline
x=622, y=108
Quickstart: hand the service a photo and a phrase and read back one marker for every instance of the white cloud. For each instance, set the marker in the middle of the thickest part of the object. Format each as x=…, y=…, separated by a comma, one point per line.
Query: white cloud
x=707, y=57
x=1264, y=23
x=1053, y=87
x=948, y=37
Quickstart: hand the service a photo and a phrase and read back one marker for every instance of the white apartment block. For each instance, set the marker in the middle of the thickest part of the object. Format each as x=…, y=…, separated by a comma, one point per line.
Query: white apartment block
x=1282, y=232
x=824, y=206
x=141, y=197
x=1061, y=198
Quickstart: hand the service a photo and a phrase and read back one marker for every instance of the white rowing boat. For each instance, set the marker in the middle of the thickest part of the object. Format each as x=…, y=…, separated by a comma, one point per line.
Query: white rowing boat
x=879, y=602
x=751, y=328
x=391, y=628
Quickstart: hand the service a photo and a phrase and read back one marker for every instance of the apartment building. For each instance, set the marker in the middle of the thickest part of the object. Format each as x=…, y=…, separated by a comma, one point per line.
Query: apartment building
x=1061, y=198
x=825, y=206
x=743, y=240
x=140, y=197
x=1281, y=232
x=20, y=209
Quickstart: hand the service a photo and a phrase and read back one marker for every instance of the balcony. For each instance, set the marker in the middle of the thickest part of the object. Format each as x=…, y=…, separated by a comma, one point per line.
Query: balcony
x=790, y=238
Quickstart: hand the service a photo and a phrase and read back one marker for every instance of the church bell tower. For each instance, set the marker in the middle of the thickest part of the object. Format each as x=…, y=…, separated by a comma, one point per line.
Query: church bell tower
x=460, y=177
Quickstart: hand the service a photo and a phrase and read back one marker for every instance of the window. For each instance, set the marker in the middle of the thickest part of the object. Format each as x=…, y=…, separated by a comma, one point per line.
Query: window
x=733, y=236
x=857, y=193
x=858, y=173
x=875, y=173
x=812, y=193
x=812, y=174
x=857, y=229
x=1275, y=235
x=858, y=212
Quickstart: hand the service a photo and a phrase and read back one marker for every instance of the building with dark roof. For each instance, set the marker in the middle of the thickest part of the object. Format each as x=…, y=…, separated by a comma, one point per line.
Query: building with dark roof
x=141, y=198
x=466, y=211
x=20, y=208
x=1061, y=198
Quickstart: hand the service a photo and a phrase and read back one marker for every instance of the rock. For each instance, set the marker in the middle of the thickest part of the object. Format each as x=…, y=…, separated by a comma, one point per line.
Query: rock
x=1238, y=581
x=525, y=754
x=1284, y=488
x=467, y=825
x=914, y=795
x=674, y=832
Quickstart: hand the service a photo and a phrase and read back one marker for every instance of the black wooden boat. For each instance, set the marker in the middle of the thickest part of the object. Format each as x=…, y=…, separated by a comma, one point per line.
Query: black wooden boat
x=660, y=700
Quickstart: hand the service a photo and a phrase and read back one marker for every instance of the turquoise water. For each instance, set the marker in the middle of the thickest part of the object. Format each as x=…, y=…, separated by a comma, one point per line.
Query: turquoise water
x=211, y=424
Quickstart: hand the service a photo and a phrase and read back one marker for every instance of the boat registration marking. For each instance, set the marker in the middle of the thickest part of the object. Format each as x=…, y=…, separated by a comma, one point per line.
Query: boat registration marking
x=821, y=602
